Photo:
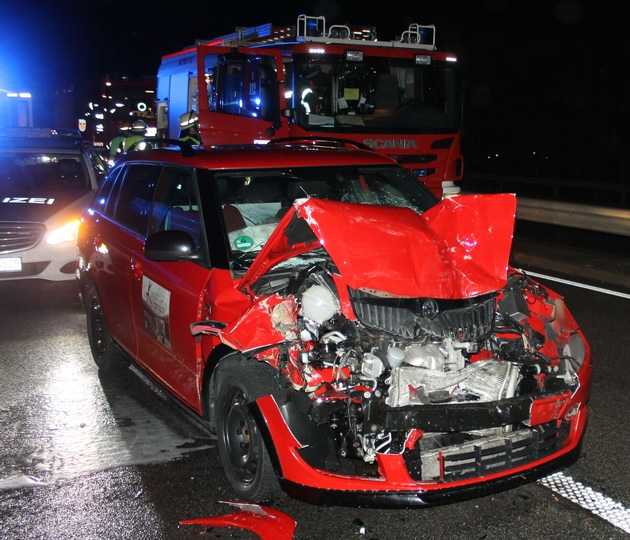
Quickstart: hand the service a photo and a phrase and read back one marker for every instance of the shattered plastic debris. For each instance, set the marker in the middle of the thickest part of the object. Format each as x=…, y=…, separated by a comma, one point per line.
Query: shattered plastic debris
x=266, y=522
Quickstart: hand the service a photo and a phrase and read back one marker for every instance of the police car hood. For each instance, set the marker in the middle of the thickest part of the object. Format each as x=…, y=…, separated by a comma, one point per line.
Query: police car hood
x=457, y=249
x=39, y=206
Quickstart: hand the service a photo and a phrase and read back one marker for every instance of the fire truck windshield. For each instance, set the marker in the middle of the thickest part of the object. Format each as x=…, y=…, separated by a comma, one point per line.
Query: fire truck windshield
x=375, y=95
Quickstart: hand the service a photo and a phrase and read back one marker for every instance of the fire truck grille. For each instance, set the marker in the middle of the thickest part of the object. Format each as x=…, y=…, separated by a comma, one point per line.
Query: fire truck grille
x=15, y=236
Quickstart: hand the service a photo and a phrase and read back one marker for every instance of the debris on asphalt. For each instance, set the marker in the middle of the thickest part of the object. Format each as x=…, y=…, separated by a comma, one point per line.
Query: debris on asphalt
x=266, y=522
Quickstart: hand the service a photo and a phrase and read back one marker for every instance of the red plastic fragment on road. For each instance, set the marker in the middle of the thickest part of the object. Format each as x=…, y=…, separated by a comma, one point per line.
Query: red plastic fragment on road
x=265, y=522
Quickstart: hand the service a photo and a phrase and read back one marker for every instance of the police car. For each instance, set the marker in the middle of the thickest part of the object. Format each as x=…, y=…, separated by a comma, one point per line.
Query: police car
x=46, y=180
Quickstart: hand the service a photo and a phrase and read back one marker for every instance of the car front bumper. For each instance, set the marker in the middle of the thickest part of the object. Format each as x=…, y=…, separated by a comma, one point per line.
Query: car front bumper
x=44, y=261
x=394, y=486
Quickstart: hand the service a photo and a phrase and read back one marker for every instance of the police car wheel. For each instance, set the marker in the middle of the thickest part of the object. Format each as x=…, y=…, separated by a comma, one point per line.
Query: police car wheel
x=242, y=450
x=105, y=352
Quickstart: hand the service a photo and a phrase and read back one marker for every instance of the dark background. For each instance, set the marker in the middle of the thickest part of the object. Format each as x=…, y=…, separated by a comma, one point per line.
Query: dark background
x=545, y=81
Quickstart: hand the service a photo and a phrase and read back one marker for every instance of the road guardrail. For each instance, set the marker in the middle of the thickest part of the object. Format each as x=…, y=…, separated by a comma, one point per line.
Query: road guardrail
x=580, y=216
x=546, y=205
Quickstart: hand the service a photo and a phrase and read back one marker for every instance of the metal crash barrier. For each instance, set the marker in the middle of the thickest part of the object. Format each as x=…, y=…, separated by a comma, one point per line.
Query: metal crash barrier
x=581, y=216
x=547, y=206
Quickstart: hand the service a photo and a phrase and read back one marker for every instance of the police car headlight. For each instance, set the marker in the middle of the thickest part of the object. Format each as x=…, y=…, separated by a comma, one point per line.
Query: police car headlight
x=66, y=233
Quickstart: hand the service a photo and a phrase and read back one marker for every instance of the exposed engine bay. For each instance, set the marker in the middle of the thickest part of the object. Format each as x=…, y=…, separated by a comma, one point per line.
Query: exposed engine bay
x=424, y=376
x=412, y=339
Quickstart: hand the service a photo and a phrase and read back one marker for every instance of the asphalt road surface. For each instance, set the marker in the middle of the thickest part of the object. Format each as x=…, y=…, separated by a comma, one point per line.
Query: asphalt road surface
x=86, y=457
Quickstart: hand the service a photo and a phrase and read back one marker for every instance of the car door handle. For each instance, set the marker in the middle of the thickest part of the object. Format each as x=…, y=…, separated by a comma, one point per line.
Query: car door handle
x=136, y=268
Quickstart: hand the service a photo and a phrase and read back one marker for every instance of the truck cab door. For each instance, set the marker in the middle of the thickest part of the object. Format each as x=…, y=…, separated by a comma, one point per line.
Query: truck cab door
x=240, y=95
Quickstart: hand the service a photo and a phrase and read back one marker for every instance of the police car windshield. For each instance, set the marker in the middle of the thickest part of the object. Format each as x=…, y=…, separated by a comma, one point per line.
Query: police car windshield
x=28, y=174
x=253, y=202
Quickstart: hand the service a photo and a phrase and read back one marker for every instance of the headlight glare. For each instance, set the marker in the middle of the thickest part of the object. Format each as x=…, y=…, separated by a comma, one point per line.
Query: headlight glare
x=66, y=233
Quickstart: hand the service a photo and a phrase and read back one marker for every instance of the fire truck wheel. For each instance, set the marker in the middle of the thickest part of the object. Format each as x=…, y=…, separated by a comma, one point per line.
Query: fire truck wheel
x=105, y=351
x=242, y=450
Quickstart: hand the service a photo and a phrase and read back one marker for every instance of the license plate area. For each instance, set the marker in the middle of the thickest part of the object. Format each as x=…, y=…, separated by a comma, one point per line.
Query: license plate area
x=10, y=264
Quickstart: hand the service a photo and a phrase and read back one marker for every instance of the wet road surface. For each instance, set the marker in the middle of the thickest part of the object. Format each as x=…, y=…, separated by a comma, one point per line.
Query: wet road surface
x=83, y=456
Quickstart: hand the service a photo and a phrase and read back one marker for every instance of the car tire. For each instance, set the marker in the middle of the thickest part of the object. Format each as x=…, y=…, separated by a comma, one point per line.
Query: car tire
x=105, y=352
x=242, y=449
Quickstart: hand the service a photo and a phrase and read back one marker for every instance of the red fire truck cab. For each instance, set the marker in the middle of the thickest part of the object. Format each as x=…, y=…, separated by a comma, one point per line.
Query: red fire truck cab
x=401, y=98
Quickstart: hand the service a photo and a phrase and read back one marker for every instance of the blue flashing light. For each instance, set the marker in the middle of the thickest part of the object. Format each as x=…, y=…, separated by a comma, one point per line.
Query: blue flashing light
x=312, y=26
x=257, y=101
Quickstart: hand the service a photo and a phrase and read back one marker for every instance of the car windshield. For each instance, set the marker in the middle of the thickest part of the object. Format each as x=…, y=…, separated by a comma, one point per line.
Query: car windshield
x=253, y=202
x=33, y=173
x=376, y=95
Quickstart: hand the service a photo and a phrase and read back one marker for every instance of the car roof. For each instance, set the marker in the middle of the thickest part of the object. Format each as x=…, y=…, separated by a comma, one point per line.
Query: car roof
x=263, y=157
x=40, y=140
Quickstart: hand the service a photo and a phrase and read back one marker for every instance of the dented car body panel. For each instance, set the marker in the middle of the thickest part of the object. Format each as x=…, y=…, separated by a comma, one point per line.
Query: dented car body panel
x=458, y=249
x=403, y=356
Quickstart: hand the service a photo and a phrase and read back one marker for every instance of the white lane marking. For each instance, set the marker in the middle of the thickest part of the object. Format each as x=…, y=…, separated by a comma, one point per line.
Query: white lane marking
x=578, y=284
x=595, y=502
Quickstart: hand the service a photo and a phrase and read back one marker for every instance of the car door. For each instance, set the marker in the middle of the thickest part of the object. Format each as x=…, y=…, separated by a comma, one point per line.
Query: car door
x=167, y=295
x=240, y=95
x=118, y=241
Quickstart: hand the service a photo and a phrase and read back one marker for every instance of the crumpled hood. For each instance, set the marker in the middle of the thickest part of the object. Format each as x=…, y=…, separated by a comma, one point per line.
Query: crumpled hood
x=458, y=249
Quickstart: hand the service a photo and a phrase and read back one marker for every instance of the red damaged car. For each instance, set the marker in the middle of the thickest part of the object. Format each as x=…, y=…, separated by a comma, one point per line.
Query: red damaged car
x=349, y=338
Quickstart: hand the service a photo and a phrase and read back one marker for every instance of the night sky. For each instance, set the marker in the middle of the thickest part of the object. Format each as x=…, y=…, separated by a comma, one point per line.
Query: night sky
x=547, y=74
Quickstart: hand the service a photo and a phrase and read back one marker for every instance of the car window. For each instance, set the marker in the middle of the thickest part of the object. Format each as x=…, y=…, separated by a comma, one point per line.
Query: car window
x=104, y=192
x=110, y=205
x=175, y=206
x=136, y=194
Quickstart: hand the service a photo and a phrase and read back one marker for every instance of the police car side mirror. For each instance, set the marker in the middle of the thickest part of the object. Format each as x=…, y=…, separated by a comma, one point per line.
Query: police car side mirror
x=170, y=246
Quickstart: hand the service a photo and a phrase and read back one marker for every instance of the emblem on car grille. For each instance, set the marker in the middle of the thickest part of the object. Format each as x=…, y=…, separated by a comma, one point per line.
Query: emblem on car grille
x=429, y=309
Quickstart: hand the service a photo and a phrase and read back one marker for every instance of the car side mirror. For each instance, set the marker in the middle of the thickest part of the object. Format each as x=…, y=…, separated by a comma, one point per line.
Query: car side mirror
x=170, y=246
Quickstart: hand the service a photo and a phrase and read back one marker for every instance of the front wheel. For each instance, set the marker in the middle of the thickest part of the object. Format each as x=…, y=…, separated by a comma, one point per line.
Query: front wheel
x=242, y=450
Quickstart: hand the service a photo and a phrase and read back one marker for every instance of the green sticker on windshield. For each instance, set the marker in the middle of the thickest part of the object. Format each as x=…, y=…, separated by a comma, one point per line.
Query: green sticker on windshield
x=243, y=242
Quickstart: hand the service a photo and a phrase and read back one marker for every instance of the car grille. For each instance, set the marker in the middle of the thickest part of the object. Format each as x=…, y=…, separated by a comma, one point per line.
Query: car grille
x=487, y=455
x=16, y=236
x=463, y=320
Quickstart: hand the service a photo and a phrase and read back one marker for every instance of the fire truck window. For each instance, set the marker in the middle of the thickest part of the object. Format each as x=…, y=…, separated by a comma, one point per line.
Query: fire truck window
x=242, y=86
x=175, y=206
x=136, y=193
x=378, y=94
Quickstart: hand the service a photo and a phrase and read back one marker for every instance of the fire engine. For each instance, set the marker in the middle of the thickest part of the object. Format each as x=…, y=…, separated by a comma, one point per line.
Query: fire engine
x=313, y=81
